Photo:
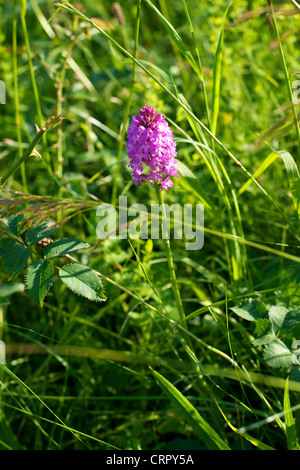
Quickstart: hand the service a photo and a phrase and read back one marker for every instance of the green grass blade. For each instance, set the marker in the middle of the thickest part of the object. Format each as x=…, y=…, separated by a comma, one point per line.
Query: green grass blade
x=177, y=40
x=260, y=170
x=217, y=77
x=286, y=74
x=201, y=428
x=291, y=433
x=256, y=442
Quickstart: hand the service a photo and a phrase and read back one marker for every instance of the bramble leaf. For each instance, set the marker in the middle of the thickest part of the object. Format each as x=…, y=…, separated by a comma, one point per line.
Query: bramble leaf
x=63, y=247
x=251, y=310
x=83, y=281
x=264, y=332
x=16, y=259
x=277, y=315
x=5, y=245
x=277, y=354
x=39, y=279
x=291, y=319
x=37, y=233
x=13, y=223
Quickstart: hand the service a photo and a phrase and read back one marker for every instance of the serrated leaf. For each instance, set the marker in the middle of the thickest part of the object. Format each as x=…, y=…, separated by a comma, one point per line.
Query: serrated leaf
x=37, y=233
x=83, y=281
x=13, y=223
x=264, y=332
x=277, y=315
x=16, y=259
x=262, y=326
x=5, y=245
x=277, y=354
x=39, y=279
x=63, y=247
x=291, y=319
x=251, y=310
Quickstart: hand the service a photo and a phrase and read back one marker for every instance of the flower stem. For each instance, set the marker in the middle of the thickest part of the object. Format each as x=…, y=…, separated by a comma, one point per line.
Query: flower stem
x=159, y=194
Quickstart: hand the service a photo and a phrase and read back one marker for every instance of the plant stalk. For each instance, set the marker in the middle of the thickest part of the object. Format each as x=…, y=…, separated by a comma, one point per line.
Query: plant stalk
x=159, y=194
x=52, y=122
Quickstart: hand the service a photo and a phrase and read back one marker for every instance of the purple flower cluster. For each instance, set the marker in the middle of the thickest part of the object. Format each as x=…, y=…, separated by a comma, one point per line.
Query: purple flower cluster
x=151, y=148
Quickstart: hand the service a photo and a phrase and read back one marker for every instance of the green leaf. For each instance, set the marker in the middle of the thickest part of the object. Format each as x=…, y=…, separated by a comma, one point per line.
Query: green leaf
x=16, y=259
x=39, y=279
x=251, y=310
x=262, y=326
x=37, y=233
x=83, y=281
x=277, y=354
x=291, y=433
x=264, y=332
x=277, y=315
x=201, y=428
x=13, y=223
x=291, y=320
x=63, y=247
x=5, y=245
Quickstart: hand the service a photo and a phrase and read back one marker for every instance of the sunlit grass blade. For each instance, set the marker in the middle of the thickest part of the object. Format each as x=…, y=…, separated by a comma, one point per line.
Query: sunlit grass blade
x=201, y=428
x=217, y=77
x=291, y=432
x=260, y=170
x=256, y=442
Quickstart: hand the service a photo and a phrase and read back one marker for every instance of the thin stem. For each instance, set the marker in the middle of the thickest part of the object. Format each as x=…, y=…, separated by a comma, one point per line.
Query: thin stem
x=128, y=105
x=22, y=6
x=25, y=156
x=60, y=87
x=16, y=96
x=165, y=237
x=52, y=122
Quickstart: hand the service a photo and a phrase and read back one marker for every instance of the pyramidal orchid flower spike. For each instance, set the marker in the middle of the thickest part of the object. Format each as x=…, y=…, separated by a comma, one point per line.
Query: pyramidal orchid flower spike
x=151, y=149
